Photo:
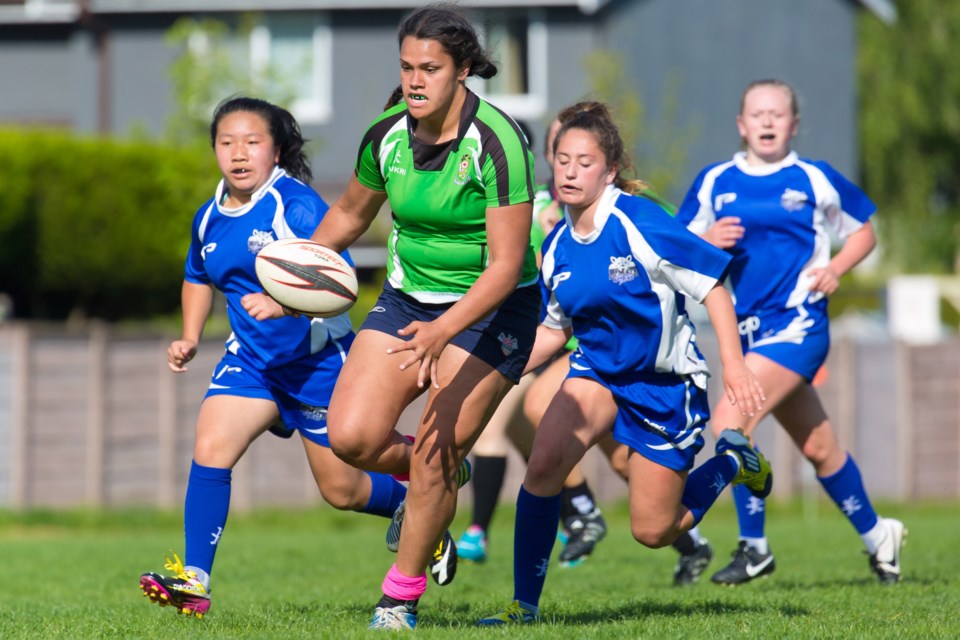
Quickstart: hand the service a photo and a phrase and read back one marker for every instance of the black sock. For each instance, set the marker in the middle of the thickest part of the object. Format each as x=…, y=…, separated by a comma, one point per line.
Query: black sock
x=488, y=472
x=685, y=544
x=389, y=603
x=576, y=501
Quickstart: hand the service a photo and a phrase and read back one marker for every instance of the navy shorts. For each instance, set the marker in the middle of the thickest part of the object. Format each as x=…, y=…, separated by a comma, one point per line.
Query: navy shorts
x=504, y=339
x=660, y=416
x=301, y=390
x=796, y=338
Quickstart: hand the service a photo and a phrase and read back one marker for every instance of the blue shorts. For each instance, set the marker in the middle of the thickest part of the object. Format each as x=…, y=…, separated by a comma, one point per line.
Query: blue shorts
x=301, y=390
x=660, y=416
x=503, y=339
x=797, y=338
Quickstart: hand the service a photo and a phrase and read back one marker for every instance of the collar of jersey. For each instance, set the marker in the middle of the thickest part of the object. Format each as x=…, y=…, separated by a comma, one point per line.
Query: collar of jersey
x=740, y=159
x=254, y=199
x=600, y=215
x=471, y=104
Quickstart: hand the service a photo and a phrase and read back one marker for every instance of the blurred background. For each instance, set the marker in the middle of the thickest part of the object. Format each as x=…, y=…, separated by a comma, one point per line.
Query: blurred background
x=104, y=116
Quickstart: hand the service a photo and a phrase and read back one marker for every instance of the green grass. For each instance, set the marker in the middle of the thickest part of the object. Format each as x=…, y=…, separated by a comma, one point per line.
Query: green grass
x=317, y=574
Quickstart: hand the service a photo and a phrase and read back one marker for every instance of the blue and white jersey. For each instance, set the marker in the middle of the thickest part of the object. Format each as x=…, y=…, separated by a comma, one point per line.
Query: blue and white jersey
x=223, y=248
x=621, y=288
x=786, y=210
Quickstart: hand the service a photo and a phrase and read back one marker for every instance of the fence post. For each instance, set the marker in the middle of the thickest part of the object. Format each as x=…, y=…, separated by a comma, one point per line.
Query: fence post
x=905, y=417
x=20, y=399
x=167, y=411
x=96, y=413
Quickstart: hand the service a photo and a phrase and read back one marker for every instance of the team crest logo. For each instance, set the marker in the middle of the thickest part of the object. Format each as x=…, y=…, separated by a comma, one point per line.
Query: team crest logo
x=312, y=413
x=463, y=169
x=258, y=240
x=508, y=344
x=793, y=200
x=622, y=269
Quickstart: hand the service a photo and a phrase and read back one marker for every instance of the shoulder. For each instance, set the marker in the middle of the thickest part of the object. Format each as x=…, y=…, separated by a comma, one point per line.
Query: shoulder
x=297, y=195
x=386, y=122
x=495, y=123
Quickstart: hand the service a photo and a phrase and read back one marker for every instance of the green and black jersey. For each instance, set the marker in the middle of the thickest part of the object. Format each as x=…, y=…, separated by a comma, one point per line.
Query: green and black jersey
x=440, y=193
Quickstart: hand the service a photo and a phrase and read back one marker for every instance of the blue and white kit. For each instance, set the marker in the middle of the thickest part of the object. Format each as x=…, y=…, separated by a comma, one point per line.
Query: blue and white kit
x=621, y=289
x=788, y=210
x=293, y=361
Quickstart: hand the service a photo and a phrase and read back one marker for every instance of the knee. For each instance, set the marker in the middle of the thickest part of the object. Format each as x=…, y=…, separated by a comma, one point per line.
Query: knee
x=652, y=536
x=351, y=446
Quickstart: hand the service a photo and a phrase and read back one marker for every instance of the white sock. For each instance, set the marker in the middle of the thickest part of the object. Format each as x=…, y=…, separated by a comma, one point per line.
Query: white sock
x=759, y=544
x=874, y=537
x=695, y=535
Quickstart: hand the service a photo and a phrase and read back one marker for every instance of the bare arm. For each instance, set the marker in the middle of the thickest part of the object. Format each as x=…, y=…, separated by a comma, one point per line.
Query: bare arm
x=196, y=300
x=857, y=247
x=349, y=216
x=741, y=385
x=549, y=341
x=508, y=237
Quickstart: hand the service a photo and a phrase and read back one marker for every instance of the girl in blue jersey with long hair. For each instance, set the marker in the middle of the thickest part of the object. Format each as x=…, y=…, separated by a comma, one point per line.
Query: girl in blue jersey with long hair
x=771, y=211
x=275, y=372
x=615, y=271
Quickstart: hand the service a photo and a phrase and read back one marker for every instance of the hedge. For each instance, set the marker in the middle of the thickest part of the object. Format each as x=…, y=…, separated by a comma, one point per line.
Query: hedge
x=95, y=226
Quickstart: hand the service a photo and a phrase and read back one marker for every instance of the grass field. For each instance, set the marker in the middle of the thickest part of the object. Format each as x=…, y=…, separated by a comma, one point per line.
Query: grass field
x=316, y=574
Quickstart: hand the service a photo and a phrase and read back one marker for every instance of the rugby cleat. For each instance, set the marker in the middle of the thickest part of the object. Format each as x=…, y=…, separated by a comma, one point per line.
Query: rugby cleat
x=583, y=534
x=464, y=472
x=515, y=613
x=402, y=616
x=182, y=590
x=472, y=545
x=747, y=564
x=886, y=561
x=691, y=566
x=443, y=564
x=755, y=472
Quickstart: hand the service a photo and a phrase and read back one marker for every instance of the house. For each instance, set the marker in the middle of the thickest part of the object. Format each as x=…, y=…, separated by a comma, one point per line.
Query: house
x=103, y=65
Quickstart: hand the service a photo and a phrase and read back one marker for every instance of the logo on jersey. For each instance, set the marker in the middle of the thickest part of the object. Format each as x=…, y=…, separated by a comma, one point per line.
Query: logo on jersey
x=622, y=269
x=793, y=200
x=722, y=199
x=207, y=248
x=258, y=240
x=560, y=277
x=395, y=167
x=508, y=344
x=463, y=169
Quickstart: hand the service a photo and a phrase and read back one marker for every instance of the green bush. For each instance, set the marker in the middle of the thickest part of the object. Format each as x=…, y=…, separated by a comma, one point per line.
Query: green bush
x=97, y=227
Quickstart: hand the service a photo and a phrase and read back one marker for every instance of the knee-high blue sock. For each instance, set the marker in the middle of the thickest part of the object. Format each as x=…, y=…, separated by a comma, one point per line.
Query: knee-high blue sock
x=751, y=512
x=846, y=489
x=706, y=482
x=534, y=534
x=386, y=494
x=205, y=514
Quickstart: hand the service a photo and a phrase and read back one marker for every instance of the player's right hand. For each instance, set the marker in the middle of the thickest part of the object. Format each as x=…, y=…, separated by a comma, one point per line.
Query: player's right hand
x=179, y=353
x=725, y=232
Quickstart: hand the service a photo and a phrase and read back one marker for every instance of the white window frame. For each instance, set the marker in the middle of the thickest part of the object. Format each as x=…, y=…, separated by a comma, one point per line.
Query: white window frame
x=533, y=104
x=317, y=109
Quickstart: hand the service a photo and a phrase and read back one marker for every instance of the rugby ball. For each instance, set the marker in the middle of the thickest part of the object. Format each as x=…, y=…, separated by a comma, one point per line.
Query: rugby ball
x=307, y=278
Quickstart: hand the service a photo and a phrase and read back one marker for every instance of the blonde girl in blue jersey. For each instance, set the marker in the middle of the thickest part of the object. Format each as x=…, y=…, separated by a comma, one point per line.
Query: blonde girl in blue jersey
x=615, y=271
x=772, y=210
x=458, y=314
x=275, y=373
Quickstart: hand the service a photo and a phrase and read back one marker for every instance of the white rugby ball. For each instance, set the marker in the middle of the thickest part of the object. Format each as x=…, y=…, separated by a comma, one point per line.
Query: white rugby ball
x=307, y=277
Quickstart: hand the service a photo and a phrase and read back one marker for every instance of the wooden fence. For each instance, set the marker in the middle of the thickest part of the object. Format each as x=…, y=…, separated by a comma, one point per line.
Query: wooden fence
x=95, y=418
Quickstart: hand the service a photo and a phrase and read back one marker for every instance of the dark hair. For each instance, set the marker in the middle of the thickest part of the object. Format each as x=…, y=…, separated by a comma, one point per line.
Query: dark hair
x=283, y=129
x=445, y=24
x=395, y=97
x=596, y=120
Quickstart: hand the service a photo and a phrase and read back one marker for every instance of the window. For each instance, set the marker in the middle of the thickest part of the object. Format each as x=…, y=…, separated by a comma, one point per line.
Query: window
x=294, y=53
x=517, y=42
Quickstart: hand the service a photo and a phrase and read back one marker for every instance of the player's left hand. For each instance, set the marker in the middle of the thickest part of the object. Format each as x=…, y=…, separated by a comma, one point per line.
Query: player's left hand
x=825, y=280
x=743, y=389
x=260, y=306
x=426, y=344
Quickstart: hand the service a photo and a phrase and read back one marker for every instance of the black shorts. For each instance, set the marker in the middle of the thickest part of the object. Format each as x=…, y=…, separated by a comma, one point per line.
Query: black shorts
x=503, y=339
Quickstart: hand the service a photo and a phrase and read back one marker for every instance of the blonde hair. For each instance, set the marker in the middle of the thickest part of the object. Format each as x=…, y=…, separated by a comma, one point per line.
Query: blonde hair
x=772, y=82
